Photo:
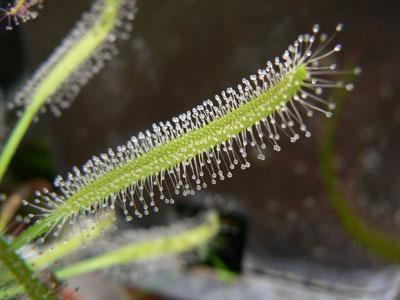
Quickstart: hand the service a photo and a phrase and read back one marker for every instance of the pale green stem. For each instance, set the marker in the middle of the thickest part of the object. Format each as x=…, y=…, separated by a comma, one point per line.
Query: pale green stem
x=76, y=55
x=164, y=246
x=377, y=241
x=15, y=138
x=64, y=248
x=170, y=245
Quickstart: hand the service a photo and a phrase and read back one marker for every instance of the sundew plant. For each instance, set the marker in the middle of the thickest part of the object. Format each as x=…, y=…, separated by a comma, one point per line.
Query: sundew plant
x=180, y=156
x=19, y=11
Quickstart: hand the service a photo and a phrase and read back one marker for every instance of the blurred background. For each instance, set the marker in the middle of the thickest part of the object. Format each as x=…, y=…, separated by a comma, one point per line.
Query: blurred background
x=183, y=52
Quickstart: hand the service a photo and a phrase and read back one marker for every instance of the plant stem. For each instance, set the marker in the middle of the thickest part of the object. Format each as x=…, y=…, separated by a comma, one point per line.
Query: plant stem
x=65, y=247
x=16, y=137
x=175, y=244
x=58, y=74
x=378, y=242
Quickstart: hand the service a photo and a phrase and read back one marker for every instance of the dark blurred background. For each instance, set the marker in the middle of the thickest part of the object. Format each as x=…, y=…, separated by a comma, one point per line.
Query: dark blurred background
x=183, y=52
